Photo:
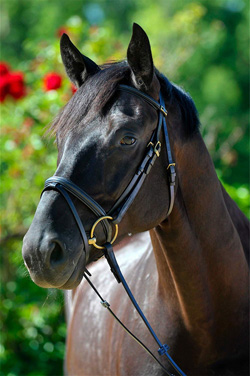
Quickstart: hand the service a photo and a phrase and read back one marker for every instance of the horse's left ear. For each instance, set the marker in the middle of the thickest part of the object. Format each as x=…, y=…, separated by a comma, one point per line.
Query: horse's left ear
x=78, y=67
x=140, y=59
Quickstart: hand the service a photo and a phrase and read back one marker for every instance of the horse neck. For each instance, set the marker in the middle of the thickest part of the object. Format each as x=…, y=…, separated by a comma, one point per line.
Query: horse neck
x=199, y=256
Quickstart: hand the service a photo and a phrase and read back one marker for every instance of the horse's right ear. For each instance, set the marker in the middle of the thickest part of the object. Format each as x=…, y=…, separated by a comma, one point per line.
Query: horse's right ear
x=78, y=67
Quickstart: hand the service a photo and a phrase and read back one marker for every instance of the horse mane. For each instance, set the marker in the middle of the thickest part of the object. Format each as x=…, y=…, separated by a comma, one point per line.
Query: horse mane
x=98, y=91
x=175, y=94
x=189, y=112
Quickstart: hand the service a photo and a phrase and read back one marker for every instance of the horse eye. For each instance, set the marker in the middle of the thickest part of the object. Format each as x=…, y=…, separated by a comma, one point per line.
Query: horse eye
x=127, y=140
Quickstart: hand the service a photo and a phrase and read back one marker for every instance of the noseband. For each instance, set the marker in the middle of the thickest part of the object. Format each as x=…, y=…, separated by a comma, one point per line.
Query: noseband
x=117, y=212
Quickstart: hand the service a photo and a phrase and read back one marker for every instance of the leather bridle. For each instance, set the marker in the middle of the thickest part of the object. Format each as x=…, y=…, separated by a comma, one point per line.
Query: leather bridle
x=121, y=206
x=119, y=209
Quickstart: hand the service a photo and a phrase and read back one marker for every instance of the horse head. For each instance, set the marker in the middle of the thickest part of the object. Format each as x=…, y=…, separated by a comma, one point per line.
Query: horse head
x=102, y=134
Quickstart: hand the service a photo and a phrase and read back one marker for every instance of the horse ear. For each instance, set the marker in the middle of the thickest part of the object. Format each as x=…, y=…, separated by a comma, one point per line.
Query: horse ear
x=140, y=59
x=78, y=67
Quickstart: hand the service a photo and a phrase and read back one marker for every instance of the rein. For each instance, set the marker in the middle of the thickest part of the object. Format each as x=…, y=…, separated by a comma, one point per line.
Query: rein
x=119, y=209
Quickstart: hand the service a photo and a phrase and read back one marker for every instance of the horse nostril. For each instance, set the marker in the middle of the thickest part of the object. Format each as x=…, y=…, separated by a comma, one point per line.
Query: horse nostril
x=57, y=255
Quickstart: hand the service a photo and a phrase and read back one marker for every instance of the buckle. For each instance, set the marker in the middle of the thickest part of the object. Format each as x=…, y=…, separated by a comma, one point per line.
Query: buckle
x=170, y=164
x=92, y=240
x=163, y=110
x=150, y=144
x=105, y=304
x=172, y=173
x=163, y=349
x=157, y=148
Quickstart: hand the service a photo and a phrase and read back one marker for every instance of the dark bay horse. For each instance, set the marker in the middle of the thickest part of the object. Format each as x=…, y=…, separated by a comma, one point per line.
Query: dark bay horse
x=188, y=269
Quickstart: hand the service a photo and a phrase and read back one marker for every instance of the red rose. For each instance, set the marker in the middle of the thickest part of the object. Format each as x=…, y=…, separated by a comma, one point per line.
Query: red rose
x=52, y=81
x=4, y=87
x=16, y=85
x=4, y=68
x=11, y=83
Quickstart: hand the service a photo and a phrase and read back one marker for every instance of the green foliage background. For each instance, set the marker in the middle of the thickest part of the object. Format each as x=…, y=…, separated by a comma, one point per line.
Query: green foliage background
x=200, y=45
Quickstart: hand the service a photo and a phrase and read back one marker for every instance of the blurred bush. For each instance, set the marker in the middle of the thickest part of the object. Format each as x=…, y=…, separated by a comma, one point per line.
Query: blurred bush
x=200, y=45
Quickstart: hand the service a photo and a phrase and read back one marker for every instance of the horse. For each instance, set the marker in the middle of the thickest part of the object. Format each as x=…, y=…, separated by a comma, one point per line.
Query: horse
x=186, y=256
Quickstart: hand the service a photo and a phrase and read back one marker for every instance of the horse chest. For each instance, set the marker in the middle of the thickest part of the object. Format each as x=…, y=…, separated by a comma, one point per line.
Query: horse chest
x=96, y=344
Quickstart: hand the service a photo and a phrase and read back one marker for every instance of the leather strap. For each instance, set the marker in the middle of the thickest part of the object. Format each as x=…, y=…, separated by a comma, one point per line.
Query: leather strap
x=147, y=98
x=52, y=183
x=67, y=198
x=127, y=197
x=171, y=165
x=125, y=200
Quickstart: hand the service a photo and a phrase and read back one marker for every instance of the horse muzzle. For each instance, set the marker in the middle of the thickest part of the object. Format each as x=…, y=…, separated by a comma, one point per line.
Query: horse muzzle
x=53, y=250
